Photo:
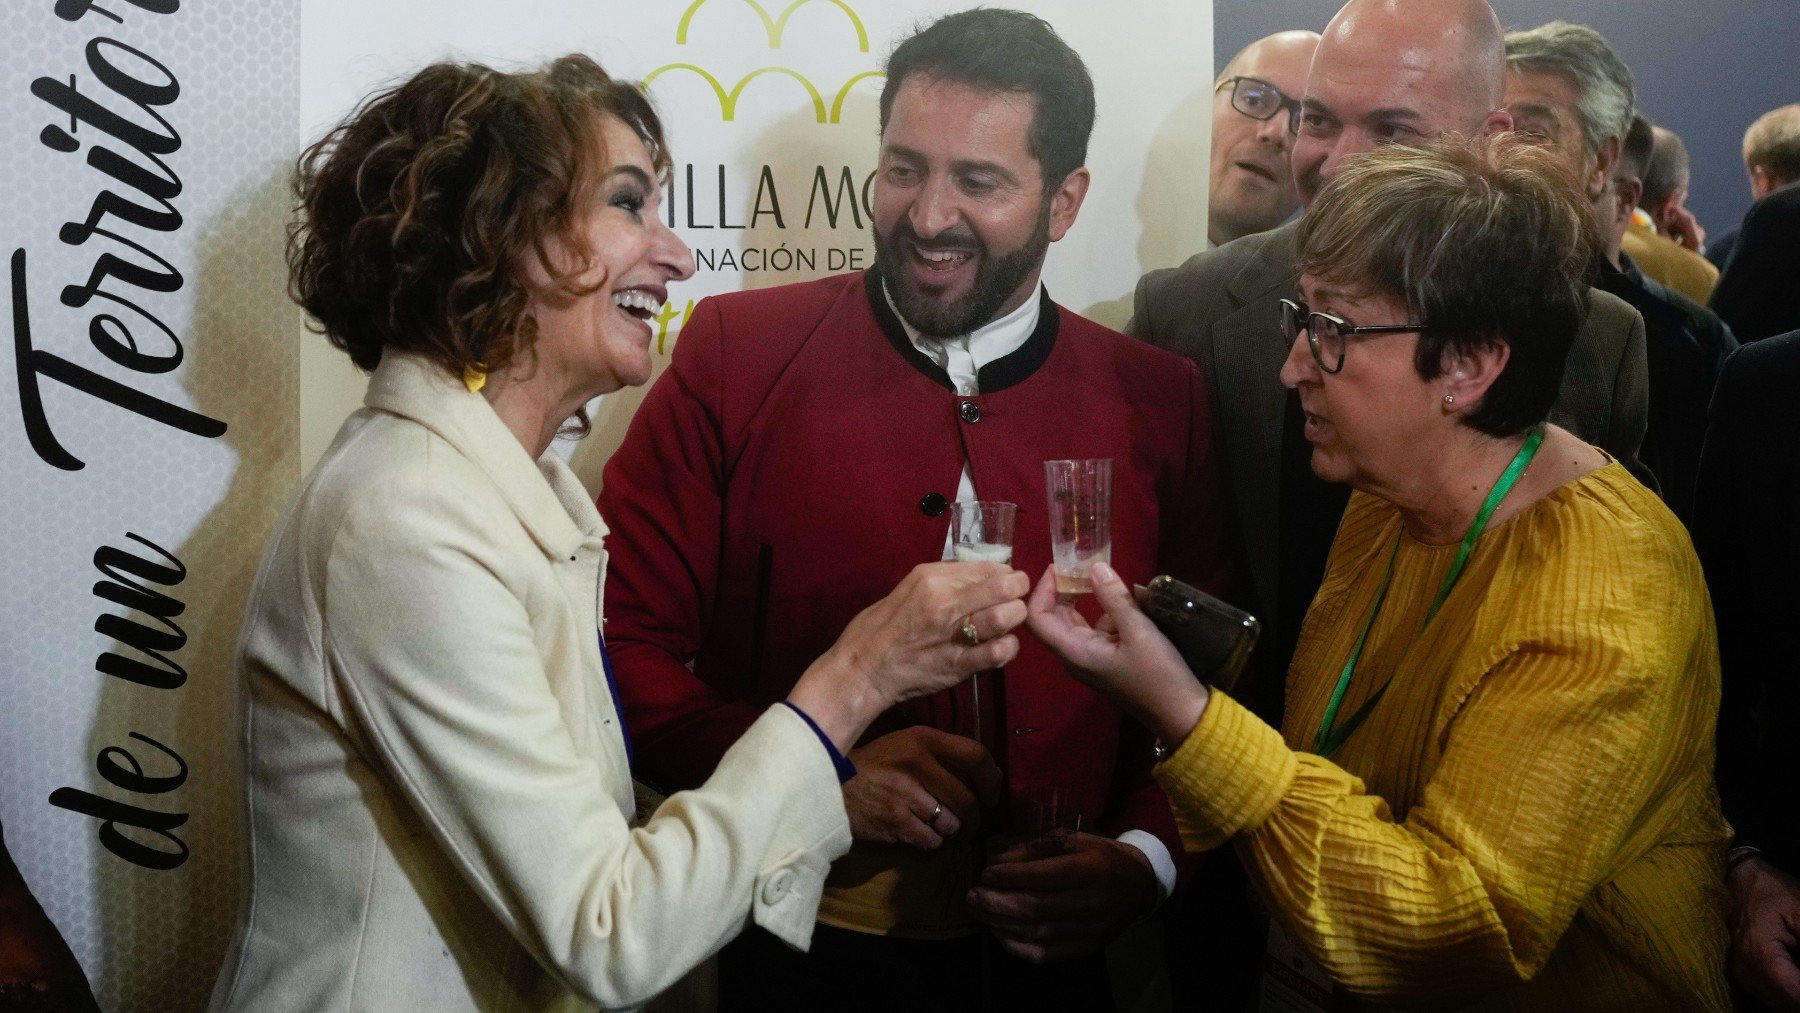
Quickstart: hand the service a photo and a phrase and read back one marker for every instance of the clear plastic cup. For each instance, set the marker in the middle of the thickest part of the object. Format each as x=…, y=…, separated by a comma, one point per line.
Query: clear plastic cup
x=982, y=531
x=1080, y=494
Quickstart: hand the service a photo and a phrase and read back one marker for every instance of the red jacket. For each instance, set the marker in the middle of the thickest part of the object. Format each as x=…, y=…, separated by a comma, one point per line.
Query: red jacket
x=792, y=465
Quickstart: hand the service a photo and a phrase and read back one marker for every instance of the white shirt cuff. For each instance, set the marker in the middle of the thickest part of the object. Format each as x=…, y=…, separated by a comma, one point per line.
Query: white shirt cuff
x=1158, y=854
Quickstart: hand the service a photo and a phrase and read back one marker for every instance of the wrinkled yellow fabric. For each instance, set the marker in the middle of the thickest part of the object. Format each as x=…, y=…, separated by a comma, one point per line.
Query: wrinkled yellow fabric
x=1527, y=820
x=1670, y=263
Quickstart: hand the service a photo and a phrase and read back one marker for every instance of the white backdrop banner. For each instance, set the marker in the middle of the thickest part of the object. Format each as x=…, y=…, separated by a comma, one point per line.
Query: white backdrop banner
x=165, y=399
x=150, y=440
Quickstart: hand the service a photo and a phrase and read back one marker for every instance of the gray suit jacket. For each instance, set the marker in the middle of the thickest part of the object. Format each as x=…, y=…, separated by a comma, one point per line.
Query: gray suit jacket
x=1220, y=309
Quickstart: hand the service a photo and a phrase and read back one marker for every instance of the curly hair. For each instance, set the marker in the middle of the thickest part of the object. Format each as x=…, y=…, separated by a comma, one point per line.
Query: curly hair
x=1487, y=241
x=415, y=215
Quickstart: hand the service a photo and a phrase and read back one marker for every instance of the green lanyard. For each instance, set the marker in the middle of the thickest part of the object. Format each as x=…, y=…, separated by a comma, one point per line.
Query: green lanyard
x=1331, y=735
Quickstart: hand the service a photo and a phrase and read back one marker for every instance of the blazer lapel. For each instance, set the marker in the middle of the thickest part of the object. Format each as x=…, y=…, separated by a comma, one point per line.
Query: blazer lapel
x=1248, y=351
x=542, y=493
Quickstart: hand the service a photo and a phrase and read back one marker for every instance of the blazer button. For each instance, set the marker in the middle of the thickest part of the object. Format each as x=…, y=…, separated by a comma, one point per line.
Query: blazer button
x=776, y=887
x=970, y=412
x=933, y=504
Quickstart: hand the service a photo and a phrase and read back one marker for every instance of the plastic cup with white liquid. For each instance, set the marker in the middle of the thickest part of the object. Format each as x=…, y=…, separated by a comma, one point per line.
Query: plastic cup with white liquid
x=981, y=531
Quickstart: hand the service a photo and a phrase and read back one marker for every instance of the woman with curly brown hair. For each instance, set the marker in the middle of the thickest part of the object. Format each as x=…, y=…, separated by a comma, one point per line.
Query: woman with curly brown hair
x=438, y=777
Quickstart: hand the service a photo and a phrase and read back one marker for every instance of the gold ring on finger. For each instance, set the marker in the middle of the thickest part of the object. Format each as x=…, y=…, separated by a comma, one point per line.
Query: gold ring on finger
x=970, y=635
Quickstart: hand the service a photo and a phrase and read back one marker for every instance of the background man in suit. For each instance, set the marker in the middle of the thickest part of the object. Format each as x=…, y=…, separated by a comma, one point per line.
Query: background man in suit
x=1748, y=495
x=1757, y=294
x=1665, y=239
x=1666, y=179
x=1566, y=87
x=1386, y=71
x=806, y=443
x=1256, y=113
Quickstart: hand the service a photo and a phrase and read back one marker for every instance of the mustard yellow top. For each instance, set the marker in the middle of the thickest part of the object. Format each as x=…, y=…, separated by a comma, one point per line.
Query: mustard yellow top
x=1670, y=262
x=1527, y=819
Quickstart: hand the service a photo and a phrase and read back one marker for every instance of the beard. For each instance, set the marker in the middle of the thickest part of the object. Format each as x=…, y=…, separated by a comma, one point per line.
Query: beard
x=998, y=277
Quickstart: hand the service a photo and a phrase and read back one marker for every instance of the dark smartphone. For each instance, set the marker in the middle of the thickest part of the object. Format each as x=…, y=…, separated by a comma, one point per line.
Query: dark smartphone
x=1214, y=638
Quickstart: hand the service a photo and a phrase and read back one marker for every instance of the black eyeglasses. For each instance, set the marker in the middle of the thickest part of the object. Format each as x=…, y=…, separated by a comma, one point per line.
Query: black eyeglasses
x=1261, y=100
x=1329, y=335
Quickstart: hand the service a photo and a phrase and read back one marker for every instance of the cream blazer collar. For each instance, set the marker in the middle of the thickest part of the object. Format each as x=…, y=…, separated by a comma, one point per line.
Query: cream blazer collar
x=549, y=500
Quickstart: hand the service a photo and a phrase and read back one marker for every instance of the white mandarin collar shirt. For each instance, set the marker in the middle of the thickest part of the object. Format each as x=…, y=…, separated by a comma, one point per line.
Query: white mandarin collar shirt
x=963, y=356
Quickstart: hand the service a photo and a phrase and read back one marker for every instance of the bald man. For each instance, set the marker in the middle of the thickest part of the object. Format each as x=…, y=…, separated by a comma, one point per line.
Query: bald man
x=1256, y=110
x=1385, y=71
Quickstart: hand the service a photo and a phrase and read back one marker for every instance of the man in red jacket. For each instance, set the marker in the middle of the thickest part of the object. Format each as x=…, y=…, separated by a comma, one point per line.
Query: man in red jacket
x=800, y=456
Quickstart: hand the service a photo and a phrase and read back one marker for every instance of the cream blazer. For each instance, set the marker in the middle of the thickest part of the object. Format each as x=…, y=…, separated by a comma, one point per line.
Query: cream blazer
x=436, y=781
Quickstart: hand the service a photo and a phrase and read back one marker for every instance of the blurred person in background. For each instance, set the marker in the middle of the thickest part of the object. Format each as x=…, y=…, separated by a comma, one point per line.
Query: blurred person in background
x=1665, y=238
x=1256, y=114
x=1759, y=282
x=1748, y=496
x=1568, y=90
x=1749, y=492
x=1492, y=789
x=1666, y=181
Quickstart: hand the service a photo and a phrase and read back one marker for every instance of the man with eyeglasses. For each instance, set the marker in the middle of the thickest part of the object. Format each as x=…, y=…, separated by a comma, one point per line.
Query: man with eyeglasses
x=1256, y=110
x=1384, y=72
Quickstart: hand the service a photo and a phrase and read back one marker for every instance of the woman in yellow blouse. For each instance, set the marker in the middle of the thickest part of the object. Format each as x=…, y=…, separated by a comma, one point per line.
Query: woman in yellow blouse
x=1493, y=784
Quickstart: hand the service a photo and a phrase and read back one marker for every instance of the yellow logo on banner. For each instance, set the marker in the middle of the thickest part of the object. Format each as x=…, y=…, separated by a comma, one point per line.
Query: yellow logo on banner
x=775, y=27
x=728, y=100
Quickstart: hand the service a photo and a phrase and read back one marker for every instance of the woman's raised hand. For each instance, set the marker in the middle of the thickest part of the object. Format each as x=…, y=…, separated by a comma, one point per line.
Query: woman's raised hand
x=1125, y=657
x=943, y=623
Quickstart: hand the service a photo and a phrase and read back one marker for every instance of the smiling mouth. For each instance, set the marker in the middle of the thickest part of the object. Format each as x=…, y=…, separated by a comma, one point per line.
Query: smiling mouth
x=941, y=261
x=641, y=303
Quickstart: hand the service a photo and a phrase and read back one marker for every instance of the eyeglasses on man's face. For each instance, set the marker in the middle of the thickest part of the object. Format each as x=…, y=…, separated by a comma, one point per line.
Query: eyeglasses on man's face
x=1260, y=100
x=1329, y=335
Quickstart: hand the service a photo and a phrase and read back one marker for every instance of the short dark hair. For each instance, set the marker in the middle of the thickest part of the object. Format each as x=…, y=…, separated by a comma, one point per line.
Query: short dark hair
x=1487, y=240
x=415, y=215
x=1668, y=169
x=1635, y=153
x=1008, y=51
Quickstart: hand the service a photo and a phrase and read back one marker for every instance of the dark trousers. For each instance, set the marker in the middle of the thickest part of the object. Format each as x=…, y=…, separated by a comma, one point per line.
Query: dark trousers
x=1214, y=939
x=872, y=974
